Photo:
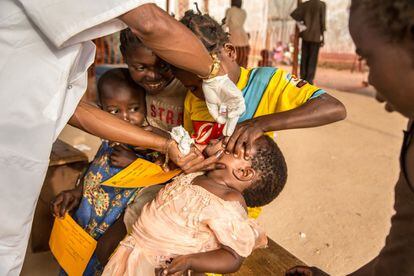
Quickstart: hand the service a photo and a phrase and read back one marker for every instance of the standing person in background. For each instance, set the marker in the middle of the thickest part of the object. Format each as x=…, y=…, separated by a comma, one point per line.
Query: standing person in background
x=234, y=20
x=313, y=14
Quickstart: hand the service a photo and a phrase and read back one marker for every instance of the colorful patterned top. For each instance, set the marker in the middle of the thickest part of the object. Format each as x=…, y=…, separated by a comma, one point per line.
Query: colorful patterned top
x=100, y=205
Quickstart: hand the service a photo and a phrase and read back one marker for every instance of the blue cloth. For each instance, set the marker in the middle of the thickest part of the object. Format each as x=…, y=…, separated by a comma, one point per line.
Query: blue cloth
x=101, y=206
x=317, y=94
x=256, y=86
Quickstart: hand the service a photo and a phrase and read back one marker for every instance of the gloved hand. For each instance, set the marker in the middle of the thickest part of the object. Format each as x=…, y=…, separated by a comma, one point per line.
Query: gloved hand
x=224, y=101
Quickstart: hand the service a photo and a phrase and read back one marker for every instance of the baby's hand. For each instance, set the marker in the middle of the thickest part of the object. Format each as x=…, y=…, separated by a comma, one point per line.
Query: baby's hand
x=178, y=266
x=305, y=271
x=65, y=202
x=122, y=156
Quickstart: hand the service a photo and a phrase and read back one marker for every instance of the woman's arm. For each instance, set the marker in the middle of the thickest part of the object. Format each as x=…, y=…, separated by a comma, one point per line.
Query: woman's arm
x=223, y=260
x=322, y=110
x=102, y=124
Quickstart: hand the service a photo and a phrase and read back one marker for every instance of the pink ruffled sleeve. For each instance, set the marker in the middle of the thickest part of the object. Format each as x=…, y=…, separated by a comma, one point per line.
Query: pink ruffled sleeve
x=233, y=228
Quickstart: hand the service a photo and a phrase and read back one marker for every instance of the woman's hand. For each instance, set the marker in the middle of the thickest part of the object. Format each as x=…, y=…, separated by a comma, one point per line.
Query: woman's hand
x=194, y=161
x=243, y=137
x=65, y=202
x=224, y=101
x=122, y=156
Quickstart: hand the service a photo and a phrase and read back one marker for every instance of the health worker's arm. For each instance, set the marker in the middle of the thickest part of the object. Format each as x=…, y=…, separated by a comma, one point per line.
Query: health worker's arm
x=319, y=111
x=168, y=38
x=102, y=124
x=106, y=126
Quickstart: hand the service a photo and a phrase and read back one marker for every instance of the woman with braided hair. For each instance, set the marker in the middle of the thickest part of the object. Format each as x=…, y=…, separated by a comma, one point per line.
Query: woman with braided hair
x=383, y=32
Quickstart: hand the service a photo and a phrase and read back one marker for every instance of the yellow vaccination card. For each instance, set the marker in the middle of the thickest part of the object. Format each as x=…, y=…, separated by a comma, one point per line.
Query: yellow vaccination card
x=71, y=245
x=141, y=173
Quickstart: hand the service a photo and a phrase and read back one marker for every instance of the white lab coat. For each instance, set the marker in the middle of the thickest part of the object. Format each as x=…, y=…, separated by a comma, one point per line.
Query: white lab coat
x=45, y=50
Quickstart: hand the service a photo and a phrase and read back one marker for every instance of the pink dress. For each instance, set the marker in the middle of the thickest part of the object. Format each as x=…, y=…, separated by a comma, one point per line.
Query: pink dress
x=183, y=219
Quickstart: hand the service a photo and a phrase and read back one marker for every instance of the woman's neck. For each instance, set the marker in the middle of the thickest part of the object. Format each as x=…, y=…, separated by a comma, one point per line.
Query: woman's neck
x=234, y=75
x=233, y=70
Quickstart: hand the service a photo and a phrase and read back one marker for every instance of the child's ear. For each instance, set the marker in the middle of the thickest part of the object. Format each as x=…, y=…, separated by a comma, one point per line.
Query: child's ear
x=244, y=174
x=230, y=51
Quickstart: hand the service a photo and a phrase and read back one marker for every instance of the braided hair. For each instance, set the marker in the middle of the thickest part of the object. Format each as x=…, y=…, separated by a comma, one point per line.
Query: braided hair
x=208, y=30
x=128, y=40
x=394, y=17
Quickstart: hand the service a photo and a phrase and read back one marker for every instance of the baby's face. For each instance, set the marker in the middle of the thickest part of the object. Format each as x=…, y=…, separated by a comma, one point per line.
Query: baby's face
x=231, y=163
x=124, y=102
x=147, y=70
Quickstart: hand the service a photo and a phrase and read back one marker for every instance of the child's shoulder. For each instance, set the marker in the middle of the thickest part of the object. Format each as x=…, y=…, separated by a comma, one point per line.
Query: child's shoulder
x=220, y=191
x=233, y=195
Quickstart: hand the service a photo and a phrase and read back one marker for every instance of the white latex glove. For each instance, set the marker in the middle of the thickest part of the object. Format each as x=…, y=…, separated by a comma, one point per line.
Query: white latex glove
x=224, y=101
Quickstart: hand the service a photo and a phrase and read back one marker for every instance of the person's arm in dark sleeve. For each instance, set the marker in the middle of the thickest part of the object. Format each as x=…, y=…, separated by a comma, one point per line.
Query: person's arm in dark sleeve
x=298, y=14
x=323, y=18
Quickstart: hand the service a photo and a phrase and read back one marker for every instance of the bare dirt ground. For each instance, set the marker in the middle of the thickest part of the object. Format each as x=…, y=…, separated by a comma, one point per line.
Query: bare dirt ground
x=335, y=210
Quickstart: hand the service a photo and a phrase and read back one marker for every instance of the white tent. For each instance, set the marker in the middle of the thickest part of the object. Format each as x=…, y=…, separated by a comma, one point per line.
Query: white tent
x=268, y=21
x=337, y=39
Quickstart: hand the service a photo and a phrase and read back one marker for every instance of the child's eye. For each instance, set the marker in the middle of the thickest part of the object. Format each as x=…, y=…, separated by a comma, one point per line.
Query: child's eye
x=134, y=109
x=139, y=68
x=114, y=111
x=164, y=67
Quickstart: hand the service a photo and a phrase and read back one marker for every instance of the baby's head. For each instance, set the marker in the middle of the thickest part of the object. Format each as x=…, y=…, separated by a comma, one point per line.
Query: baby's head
x=259, y=179
x=118, y=94
x=216, y=41
x=145, y=67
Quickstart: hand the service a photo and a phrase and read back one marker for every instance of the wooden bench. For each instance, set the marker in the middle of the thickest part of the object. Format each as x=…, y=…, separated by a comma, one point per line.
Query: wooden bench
x=65, y=165
x=273, y=260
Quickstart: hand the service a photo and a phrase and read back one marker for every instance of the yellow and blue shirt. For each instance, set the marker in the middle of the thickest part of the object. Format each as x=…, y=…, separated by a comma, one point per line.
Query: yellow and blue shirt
x=266, y=90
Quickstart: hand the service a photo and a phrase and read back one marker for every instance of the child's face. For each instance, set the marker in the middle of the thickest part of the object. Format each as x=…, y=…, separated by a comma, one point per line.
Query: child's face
x=193, y=83
x=390, y=63
x=233, y=167
x=124, y=102
x=190, y=81
x=148, y=70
